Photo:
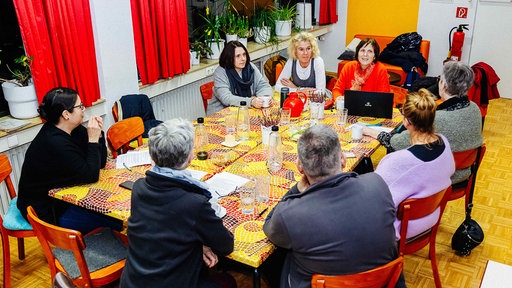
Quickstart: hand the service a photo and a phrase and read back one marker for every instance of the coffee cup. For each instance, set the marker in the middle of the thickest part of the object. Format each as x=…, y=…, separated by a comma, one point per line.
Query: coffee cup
x=357, y=132
x=266, y=101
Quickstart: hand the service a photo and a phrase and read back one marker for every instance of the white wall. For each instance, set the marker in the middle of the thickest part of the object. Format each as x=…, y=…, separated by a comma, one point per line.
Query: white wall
x=492, y=41
x=334, y=43
x=115, y=51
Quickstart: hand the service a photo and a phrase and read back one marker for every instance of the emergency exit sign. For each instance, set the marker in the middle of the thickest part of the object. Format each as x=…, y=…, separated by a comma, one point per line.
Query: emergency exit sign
x=462, y=12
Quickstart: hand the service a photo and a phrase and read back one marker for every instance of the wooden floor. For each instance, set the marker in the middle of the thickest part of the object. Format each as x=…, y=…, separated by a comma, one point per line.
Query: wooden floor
x=493, y=211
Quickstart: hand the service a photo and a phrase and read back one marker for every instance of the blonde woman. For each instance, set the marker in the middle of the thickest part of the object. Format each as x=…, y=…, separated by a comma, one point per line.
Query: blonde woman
x=305, y=70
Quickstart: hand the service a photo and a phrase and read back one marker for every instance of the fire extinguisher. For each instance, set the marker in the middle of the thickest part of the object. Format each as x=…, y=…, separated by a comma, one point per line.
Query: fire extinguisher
x=455, y=52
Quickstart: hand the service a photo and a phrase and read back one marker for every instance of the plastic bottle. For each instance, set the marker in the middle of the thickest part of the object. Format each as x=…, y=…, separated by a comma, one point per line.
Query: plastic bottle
x=201, y=140
x=243, y=122
x=275, y=151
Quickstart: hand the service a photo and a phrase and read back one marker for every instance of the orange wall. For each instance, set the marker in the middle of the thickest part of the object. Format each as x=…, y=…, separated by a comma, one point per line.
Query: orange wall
x=388, y=18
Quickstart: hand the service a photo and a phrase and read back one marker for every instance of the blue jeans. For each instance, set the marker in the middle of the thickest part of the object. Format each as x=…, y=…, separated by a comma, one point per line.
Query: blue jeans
x=85, y=221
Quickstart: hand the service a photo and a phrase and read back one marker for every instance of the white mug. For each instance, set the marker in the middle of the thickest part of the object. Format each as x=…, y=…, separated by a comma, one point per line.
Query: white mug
x=266, y=101
x=357, y=132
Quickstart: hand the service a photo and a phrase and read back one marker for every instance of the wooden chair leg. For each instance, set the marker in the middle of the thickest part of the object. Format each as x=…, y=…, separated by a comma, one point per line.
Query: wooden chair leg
x=21, y=248
x=7, y=260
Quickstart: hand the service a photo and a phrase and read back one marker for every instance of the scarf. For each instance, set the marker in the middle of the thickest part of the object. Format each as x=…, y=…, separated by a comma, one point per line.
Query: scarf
x=360, y=76
x=454, y=103
x=241, y=86
x=182, y=175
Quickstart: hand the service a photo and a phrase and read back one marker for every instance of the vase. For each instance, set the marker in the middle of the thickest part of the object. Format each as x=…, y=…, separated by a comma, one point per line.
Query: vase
x=216, y=48
x=243, y=41
x=261, y=34
x=22, y=101
x=195, y=59
x=231, y=37
x=283, y=28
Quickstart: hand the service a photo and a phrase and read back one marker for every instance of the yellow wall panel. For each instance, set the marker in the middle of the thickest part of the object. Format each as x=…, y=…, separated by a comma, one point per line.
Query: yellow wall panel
x=390, y=17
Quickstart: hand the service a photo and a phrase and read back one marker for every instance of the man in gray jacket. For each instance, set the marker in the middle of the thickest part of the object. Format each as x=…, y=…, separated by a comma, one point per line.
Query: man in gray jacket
x=331, y=222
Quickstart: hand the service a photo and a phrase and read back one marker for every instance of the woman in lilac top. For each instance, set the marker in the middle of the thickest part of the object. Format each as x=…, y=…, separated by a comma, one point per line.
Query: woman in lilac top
x=425, y=167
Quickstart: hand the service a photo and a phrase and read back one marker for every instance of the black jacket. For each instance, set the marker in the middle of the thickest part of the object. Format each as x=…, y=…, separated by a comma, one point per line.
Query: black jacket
x=170, y=221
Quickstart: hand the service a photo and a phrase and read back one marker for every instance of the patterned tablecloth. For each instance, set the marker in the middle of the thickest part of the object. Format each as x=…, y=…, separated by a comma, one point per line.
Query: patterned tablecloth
x=247, y=159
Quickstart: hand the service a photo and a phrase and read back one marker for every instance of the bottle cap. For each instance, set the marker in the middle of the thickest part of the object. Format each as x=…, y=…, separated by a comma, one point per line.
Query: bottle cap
x=285, y=89
x=200, y=120
x=243, y=103
x=275, y=128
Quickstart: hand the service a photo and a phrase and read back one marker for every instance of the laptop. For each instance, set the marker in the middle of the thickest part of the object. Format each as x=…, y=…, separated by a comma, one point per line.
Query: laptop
x=369, y=104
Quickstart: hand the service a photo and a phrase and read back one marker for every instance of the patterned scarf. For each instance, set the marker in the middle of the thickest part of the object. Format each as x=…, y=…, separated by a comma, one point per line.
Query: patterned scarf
x=360, y=76
x=241, y=86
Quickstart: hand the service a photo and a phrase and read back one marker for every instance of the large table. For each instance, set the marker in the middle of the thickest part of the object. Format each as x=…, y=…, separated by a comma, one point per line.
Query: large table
x=246, y=159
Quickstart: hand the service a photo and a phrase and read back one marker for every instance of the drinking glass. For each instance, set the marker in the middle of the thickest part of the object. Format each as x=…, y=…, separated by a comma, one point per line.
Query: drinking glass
x=286, y=113
x=262, y=188
x=341, y=117
x=247, y=198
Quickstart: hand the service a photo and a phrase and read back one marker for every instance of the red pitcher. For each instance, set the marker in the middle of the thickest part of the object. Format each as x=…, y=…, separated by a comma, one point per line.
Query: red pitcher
x=296, y=102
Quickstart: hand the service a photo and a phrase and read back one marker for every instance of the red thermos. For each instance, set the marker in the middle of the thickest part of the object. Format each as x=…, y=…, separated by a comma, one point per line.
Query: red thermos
x=457, y=43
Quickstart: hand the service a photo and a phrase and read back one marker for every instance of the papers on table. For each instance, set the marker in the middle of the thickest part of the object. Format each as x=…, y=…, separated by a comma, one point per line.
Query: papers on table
x=196, y=174
x=8, y=125
x=379, y=128
x=223, y=183
x=133, y=158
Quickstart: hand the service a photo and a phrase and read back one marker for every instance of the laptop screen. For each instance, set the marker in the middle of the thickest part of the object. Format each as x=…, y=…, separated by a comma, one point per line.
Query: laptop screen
x=369, y=104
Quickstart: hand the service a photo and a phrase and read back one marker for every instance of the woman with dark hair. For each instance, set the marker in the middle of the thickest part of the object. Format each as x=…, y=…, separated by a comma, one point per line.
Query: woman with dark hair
x=365, y=73
x=63, y=153
x=237, y=79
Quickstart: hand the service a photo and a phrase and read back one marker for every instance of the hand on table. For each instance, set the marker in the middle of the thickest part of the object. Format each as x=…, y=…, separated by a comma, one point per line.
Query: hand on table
x=209, y=258
x=257, y=102
x=370, y=132
x=288, y=83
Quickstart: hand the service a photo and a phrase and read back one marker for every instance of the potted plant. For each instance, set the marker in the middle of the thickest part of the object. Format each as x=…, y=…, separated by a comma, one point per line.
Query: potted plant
x=263, y=24
x=19, y=92
x=243, y=31
x=283, y=16
x=211, y=33
x=229, y=26
x=198, y=49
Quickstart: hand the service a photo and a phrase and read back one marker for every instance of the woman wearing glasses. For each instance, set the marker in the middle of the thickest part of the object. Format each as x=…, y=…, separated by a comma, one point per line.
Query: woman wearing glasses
x=63, y=153
x=365, y=73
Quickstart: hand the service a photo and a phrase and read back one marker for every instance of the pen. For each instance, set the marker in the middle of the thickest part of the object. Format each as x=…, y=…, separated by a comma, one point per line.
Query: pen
x=262, y=212
x=125, y=166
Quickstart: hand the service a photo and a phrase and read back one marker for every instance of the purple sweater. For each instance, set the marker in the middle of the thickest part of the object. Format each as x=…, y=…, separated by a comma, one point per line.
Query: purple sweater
x=409, y=177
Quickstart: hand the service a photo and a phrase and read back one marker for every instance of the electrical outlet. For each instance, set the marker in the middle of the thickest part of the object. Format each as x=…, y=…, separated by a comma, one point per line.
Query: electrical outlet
x=209, y=70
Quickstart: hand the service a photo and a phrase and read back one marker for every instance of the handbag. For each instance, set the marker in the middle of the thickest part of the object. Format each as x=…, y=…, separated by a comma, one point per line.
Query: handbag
x=469, y=234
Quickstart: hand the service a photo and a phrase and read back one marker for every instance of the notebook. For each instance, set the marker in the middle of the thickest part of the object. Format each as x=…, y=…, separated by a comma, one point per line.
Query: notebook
x=369, y=104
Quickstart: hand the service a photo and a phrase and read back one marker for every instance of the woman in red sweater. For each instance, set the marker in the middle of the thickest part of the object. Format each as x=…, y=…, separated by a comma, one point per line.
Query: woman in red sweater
x=365, y=73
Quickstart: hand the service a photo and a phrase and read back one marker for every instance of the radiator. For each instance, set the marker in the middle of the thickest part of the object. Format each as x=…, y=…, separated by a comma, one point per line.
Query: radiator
x=185, y=102
x=16, y=157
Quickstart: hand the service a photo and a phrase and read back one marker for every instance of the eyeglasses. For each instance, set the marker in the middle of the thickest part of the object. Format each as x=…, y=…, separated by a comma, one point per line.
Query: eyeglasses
x=81, y=106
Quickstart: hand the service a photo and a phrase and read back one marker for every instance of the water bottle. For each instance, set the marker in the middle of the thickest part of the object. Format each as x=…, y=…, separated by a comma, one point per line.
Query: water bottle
x=275, y=151
x=243, y=122
x=201, y=140
x=284, y=95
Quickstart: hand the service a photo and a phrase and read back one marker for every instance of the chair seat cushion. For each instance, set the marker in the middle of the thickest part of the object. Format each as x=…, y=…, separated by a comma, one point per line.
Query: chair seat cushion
x=102, y=249
x=13, y=220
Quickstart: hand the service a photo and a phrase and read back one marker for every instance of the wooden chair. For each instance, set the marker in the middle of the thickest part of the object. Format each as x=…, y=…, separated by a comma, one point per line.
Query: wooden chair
x=383, y=276
x=399, y=95
x=51, y=237
x=206, y=93
x=13, y=224
x=411, y=209
x=466, y=159
x=121, y=133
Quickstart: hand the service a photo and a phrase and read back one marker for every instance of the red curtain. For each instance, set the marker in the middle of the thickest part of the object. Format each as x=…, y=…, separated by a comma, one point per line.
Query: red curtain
x=160, y=29
x=58, y=35
x=328, y=12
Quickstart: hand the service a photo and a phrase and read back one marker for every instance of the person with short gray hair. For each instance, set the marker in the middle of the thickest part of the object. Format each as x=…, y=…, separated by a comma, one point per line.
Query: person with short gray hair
x=171, y=210
x=324, y=221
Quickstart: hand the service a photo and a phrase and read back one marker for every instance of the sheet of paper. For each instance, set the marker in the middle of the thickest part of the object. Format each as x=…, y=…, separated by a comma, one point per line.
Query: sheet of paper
x=223, y=183
x=196, y=174
x=12, y=124
x=134, y=158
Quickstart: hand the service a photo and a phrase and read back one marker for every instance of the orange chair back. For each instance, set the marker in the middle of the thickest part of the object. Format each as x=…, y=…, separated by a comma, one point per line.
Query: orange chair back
x=412, y=209
x=399, y=95
x=467, y=159
x=121, y=133
x=54, y=236
x=279, y=69
x=383, y=276
x=115, y=112
x=5, y=172
x=206, y=93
